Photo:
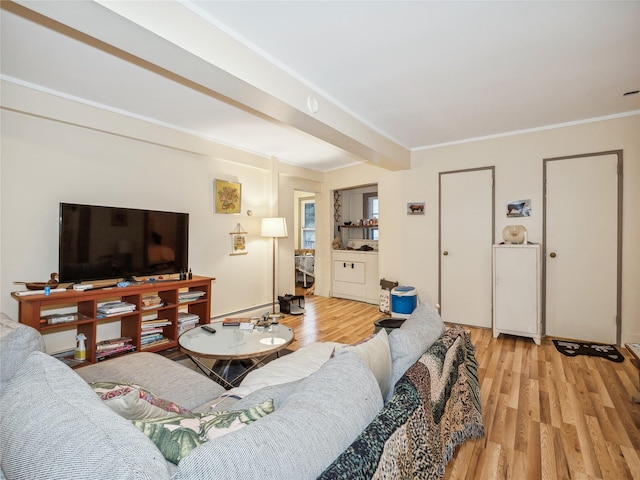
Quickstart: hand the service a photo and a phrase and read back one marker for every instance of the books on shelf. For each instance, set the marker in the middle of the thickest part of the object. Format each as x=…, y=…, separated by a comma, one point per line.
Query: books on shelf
x=155, y=343
x=155, y=323
x=152, y=301
x=187, y=317
x=187, y=326
x=56, y=318
x=150, y=338
x=113, y=343
x=190, y=296
x=115, y=346
x=114, y=308
x=187, y=321
x=150, y=330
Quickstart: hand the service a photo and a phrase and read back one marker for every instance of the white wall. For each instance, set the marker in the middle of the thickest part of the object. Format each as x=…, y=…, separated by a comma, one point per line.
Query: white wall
x=518, y=162
x=408, y=247
x=85, y=157
x=55, y=150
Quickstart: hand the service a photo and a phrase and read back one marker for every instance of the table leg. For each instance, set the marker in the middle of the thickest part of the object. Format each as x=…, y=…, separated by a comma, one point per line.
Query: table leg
x=223, y=379
x=211, y=373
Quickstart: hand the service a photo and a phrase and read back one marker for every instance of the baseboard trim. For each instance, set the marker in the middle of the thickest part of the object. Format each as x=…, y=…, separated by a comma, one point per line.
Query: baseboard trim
x=253, y=311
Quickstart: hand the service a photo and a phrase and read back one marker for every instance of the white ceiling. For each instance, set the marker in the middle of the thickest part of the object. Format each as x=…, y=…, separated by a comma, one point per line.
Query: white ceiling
x=418, y=74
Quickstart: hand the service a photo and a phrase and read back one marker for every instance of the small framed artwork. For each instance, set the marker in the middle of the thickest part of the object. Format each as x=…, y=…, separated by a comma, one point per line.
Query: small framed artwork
x=415, y=208
x=227, y=196
x=238, y=241
x=519, y=208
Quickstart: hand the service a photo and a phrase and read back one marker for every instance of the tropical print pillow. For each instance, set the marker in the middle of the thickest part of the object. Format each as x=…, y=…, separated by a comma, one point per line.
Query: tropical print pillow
x=175, y=436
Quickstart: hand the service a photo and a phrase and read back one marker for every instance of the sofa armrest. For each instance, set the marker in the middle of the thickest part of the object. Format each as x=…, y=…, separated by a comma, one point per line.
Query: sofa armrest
x=165, y=378
x=17, y=341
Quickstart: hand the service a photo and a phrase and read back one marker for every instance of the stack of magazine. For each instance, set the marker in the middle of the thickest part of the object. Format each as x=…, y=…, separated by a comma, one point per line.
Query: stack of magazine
x=187, y=321
x=151, y=301
x=109, y=348
x=190, y=296
x=152, y=332
x=115, y=308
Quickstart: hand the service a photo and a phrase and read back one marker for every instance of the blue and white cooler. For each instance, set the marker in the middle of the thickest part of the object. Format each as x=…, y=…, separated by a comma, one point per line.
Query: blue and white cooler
x=404, y=300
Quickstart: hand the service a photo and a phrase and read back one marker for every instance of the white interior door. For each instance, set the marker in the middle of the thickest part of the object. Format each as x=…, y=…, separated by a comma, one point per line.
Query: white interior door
x=466, y=238
x=581, y=247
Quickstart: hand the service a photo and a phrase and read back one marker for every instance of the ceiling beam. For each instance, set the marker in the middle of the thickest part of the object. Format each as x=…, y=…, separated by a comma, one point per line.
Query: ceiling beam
x=194, y=52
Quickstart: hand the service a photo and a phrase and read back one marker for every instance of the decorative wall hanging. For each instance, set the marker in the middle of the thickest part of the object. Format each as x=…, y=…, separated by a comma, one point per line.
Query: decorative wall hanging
x=227, y=196
x=415, y=208
x=238, y=241
x=519, y=208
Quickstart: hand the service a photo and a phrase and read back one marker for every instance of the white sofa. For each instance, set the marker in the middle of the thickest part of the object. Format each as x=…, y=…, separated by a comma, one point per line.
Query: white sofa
x=54, y=425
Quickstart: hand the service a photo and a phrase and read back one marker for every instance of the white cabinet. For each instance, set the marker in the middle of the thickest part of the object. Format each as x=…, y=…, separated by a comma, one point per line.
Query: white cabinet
x=355, y=275
x=517, y=302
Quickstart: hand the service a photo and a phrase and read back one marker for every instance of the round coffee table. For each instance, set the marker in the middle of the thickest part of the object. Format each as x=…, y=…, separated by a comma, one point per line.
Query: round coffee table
x=232, y=344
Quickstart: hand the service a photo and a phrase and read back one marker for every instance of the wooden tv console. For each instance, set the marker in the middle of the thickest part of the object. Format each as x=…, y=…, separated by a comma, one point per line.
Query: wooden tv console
x=33, y=309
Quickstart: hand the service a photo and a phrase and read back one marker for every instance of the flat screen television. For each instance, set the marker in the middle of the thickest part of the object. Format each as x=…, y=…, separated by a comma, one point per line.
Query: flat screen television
x=98, y=242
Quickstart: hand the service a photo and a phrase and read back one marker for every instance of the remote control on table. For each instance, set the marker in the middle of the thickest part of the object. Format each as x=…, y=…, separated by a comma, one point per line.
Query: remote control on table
x=209, y=328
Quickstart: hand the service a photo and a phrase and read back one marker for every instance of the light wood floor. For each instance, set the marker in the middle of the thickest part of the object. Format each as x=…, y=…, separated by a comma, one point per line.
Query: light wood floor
x=546, y=416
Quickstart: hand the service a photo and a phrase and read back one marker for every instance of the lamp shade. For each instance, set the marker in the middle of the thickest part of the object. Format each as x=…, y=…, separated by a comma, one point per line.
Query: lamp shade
x=274, y=227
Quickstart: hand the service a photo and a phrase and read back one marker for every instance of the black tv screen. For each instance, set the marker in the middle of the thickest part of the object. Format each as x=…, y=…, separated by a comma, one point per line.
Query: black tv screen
x=98, y=242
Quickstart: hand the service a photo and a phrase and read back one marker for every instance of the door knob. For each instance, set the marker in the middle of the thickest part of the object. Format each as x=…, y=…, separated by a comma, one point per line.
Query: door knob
x=552, y=254
x=445, y=253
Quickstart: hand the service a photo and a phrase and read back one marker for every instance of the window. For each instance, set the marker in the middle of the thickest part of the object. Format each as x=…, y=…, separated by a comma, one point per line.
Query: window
x=307, y=223
x=370, y=210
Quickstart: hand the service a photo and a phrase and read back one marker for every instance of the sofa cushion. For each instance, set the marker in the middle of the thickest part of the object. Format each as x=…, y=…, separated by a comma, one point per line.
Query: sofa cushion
x=298, y=440
x=376, y=354
x=54, y=426
x=17, y=341
x=114, y=393
x=165, y=378
x=177, y=435
x=407, y=343
x=288, y=368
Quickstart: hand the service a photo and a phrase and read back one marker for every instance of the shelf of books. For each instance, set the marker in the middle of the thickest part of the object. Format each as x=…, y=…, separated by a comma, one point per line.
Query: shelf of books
x=151, y=316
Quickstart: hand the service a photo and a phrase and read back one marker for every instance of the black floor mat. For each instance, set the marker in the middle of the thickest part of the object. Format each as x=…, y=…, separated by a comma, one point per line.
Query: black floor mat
x=571, y=349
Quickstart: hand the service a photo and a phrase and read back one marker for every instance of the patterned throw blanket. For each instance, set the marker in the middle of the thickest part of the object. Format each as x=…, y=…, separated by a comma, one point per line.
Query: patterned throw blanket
x=435, y=408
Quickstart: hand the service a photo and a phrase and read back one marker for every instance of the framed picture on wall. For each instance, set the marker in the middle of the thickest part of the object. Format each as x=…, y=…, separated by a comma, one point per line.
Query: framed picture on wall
x=415, y=208
x=227, y=196
x=239, y=241
x=519, y=208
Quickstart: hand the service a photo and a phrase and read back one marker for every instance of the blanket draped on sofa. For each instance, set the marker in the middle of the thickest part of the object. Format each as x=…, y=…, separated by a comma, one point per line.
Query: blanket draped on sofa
x=435, y=408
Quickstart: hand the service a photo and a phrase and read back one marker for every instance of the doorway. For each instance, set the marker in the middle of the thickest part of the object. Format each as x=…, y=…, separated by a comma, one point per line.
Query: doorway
x=582, y=230
x=305, y=240
x=466, y=237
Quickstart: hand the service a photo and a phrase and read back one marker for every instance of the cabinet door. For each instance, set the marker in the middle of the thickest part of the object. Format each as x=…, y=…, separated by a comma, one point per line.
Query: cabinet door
x=516, y=282
x=352, y=272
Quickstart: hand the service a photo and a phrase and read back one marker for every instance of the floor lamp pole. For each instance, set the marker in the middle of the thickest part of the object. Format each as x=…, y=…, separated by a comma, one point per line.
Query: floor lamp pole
x=273, y=270
x=273, y=228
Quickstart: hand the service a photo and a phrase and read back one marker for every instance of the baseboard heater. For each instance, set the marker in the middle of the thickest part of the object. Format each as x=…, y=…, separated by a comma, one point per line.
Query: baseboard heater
x=255, y=311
